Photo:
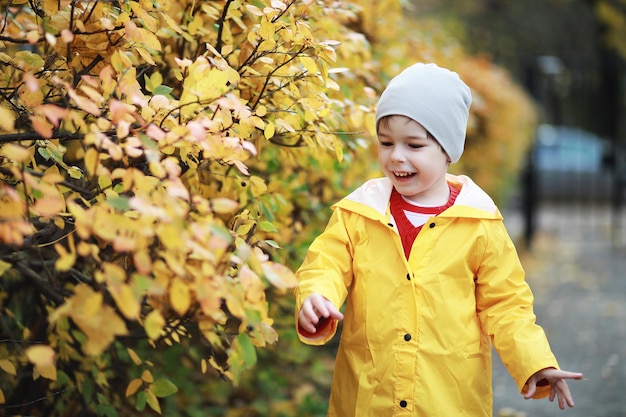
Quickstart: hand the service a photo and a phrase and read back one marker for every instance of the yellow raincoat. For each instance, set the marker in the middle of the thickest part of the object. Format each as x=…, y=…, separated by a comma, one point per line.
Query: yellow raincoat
x=417, y=333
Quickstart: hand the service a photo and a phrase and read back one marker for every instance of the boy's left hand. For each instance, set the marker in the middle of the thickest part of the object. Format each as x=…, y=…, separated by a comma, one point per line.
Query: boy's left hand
x=556, y=378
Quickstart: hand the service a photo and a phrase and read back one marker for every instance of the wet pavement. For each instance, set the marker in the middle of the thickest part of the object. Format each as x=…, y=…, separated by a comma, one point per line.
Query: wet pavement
x=577, y=270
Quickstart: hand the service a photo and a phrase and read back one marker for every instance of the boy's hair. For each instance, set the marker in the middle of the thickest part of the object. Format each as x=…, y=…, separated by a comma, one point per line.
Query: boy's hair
x=434, y=97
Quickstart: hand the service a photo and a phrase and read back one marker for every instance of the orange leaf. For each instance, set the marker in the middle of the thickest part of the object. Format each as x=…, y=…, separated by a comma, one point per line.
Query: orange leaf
x=133, y=356
x=133, y=386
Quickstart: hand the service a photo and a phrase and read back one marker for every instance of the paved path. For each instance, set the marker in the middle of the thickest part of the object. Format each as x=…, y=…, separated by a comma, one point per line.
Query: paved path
x=577, y=270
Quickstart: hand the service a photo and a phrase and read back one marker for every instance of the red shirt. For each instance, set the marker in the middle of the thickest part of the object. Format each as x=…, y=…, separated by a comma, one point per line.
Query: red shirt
x=399, y=207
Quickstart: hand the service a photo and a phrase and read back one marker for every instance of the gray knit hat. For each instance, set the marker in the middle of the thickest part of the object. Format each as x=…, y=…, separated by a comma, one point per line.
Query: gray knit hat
x=434, y=97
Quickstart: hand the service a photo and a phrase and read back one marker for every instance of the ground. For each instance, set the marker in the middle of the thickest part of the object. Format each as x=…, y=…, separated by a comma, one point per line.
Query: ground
x=577, y=270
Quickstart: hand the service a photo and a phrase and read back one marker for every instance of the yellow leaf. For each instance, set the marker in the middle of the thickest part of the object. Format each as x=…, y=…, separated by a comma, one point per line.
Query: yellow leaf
x=148, y=21
x=145, y=55
x=92, y=160
x=98, y=321
x=309, y=64
x=7, y=120
x=66, y=259
x=270, y=129
x=149, y=39
x=30, y=98
x=127, y=301
x=133, y=386
x=52, y=175
x=223, y=205
x=195, y=24
x=8, y=367
x=156, y=169
x=152, y=401
x=180, y=296
x=42, y=357
x=15, y=152
x=4, y=267
x=154, y=324
x=279, y=275
x=267, y=28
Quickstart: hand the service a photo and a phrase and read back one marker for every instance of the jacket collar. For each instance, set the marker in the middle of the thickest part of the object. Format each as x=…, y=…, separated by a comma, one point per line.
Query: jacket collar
x=372, y=200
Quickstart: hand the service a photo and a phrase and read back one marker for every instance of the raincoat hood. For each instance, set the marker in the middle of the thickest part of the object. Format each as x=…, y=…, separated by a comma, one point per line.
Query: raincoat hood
x=372, y=200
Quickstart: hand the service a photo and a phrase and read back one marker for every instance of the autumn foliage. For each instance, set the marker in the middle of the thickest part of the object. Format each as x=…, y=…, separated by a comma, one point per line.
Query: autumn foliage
x=164, y=164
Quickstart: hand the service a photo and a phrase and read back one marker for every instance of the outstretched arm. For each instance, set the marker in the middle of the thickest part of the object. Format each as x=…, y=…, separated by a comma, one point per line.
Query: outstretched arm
x=556, y=379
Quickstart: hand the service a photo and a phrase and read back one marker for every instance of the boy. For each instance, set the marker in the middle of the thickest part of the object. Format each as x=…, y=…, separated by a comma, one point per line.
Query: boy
x=429, y=272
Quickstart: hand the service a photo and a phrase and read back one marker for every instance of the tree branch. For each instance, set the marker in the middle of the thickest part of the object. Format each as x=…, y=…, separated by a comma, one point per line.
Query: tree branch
x=218, y=44
x=40, y=283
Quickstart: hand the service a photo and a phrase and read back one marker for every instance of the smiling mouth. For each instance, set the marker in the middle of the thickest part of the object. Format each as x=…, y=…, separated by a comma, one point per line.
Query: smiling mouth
x=403, y=174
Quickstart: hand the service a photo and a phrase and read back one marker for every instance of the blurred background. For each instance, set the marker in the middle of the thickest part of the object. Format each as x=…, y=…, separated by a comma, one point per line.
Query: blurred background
x=567, y=213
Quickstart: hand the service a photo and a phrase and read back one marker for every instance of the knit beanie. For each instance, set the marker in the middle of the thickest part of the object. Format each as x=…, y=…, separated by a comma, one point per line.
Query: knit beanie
x=434, y=97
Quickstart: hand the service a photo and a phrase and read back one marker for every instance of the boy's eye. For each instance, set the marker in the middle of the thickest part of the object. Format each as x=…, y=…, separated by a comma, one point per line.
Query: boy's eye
x=385, y=143
x=415, y=145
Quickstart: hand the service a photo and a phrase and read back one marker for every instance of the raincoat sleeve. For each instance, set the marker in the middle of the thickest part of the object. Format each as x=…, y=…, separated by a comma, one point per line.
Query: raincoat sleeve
x=505, y=308
x=326, y=270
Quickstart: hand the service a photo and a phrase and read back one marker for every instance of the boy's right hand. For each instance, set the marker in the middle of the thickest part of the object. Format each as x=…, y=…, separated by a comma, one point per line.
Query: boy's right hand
x=315, y=308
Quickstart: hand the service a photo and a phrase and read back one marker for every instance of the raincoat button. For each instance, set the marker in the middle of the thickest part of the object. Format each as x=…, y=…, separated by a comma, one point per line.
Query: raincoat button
x=408, y=276
x=403, y=404
x=407, y=337
x=431, y=225
x=390, y=224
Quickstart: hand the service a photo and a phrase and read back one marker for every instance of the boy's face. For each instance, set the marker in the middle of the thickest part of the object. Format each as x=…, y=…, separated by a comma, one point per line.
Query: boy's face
x=413, y=161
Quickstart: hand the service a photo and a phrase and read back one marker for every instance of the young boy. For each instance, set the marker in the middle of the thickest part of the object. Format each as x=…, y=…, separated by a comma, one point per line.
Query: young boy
x=429, y=272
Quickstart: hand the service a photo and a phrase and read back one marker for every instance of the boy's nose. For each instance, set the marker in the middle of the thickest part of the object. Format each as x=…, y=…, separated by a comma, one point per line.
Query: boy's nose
x=397, y=154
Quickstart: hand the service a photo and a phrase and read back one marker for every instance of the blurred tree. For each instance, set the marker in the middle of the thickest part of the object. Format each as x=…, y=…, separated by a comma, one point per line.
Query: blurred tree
x=517, y=34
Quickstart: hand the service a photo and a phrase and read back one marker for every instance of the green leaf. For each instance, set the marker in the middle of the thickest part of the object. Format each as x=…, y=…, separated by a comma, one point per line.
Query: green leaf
x=148, y=142
x=75, y=172
x=88, y=390
x=29, y=60
x=44, y=153
x=163, y=388
x=247, y=350
x=119, y=203
x=141, y=401
x=106, y=410
x=267, y=226
x=163, y=90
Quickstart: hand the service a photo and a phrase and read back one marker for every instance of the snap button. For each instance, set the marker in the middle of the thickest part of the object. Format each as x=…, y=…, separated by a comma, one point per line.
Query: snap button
x=408, y=276
x=403, y=404
x=431, y=225
x=407, y=337
x=390, y=224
